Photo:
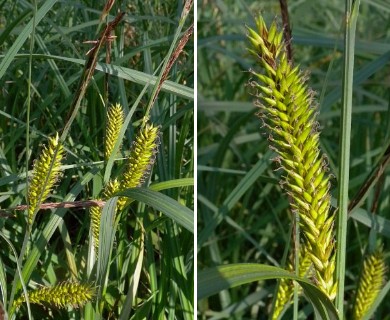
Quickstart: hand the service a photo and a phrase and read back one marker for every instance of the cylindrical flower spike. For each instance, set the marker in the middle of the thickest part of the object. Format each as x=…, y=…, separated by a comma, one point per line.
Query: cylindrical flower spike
x=371, y=282
x=45, y=174
x=140, y=162
x=115, y=118
x=287, y=110
x=61, y=296
x=142, y=157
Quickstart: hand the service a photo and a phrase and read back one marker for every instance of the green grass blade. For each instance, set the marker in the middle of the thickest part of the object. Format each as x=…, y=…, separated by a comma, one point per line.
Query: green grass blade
x=106, y=241
x=23, y=284
x=3, y=284
x=171, y=208
x=136, y=261
x=110, y=162
x=214, y=280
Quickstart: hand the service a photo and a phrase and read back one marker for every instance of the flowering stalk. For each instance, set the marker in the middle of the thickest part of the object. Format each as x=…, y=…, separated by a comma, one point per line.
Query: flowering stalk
x=115, y=118
x=139, y=164
x=62, y=295
x=288, y=111
x=371, y=282
x=45, y=174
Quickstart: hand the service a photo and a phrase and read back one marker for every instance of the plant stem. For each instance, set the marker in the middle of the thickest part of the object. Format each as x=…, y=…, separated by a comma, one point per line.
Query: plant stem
x=351, y=12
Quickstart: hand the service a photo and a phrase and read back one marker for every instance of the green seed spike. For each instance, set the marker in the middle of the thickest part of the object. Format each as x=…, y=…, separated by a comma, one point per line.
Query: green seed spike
x=115, y=118
x=95, y=214
x=142, y=157
x=288, y=112
x=66, y=294
x=46, y=171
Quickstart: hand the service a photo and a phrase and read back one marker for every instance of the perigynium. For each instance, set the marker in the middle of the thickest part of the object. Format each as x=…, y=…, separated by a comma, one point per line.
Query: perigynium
x=371, y=282
x=45, y=174
x=62, y=295
x=288, y=110
x=139, y=164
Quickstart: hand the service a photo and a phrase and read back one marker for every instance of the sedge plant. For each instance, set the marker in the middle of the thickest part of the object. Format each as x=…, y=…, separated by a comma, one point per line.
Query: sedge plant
x=53, y=265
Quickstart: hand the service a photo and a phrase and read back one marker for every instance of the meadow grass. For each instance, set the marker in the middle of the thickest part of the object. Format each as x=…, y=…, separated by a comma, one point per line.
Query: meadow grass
x=143, y=265
x=245, y=224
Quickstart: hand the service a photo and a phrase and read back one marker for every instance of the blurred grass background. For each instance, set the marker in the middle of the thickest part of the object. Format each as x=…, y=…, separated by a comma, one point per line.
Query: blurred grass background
x=243, y=215
x=143, y=39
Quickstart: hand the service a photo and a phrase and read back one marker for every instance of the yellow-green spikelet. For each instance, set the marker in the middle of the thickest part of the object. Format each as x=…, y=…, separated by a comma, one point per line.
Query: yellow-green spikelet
x=286, y=286
x=62, y=295
x=115, y=118
x=142, y=157
x=287, y=108
x=371, y=282
x=45, y=174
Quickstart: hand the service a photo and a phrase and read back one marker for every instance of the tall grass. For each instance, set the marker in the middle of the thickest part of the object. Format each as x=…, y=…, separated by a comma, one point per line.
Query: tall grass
x=143, y=266
x=245, y=223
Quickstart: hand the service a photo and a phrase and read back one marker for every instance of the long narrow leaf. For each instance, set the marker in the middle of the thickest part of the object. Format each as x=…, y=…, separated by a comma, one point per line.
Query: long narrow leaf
x=214, y=280
x=171, y=208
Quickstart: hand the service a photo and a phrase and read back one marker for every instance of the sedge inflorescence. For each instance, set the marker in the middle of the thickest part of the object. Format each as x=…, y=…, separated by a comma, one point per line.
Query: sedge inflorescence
x=115, y=118
x=45, y=174
x=139, y=163
x=371, y=282
x=288, y=110
x=61, y=296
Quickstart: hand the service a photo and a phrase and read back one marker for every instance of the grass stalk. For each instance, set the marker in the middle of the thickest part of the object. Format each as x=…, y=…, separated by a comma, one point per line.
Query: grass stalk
x=351, y=13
